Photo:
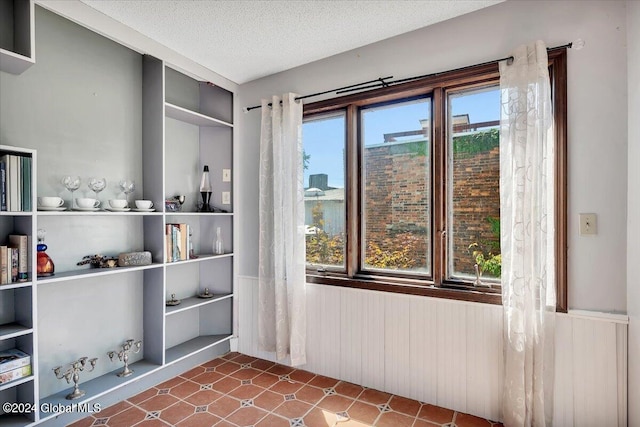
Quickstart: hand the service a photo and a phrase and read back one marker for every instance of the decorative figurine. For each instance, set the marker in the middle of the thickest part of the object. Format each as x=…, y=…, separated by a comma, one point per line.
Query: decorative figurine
x=173, y=300
x=73, y=373
x=99, y=261
x=123, y=355
x=45, y=263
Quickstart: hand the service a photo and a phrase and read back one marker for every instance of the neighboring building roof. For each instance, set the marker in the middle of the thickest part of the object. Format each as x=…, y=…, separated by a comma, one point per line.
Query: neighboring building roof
x=334, y=194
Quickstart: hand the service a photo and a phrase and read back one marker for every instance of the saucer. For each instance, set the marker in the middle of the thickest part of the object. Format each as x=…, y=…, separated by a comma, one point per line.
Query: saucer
x=118, y=209
x=52, y=208
x=86, y=209
x=144, y=210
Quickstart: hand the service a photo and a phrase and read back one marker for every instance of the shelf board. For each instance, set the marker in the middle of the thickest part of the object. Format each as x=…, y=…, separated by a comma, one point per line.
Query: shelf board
x=169, y=213
x=201, y=257
x=15, y=383
x=101, y=385
x=194, y=302
x=13, y=330
x=16, y=213
x=15, y=285
x=195, y=345
x=188, y=116
x=96, y=213
x=92, y=272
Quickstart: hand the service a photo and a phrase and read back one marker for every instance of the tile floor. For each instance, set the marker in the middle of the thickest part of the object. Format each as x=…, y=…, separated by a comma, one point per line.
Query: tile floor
x=239, y=390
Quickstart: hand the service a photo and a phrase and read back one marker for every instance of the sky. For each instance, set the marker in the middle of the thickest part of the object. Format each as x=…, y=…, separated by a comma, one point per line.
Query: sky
x=324, y=138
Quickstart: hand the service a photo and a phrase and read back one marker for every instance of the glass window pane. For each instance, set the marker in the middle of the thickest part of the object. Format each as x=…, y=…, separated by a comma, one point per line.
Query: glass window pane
x=324, y=150
x=474, y=184
x=396, y=187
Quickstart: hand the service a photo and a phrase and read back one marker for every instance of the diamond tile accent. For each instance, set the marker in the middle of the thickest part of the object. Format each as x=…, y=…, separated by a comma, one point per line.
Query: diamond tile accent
x=246, y=403
x=384, y=408
x=296, y=422
x=329, y=391
x=201, y=409
x=206, y=387
x=164, y=391
x=290, y=397
x=210, y=369
x=284, y=377
x=153, y=415
x=245, y=366
x=246, y=382
x=100, y=422
x=342, y=416
x=449, y=425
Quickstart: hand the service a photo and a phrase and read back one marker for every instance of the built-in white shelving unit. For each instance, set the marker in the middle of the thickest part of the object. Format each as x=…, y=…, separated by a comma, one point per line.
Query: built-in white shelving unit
x=186, y=124
x=17, y=37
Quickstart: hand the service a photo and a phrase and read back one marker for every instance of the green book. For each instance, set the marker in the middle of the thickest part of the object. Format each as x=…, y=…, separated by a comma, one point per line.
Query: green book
x=26, y=184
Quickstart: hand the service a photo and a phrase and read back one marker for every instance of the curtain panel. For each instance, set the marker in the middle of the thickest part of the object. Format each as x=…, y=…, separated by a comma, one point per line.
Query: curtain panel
x=282, y=302
x=527, y=236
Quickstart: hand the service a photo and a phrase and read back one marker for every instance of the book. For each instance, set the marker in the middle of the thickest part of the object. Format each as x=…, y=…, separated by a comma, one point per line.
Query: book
x=26, y=184
x=13, y=359
x=3, y=185
x=168, y=242
x=13, y=181
x=3, y=266
x=15, y=374
x=13, y=256
x=184, y=234
x=21, y=242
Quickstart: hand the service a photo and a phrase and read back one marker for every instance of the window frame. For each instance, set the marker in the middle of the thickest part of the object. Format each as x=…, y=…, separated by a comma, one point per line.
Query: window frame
x=436, y=87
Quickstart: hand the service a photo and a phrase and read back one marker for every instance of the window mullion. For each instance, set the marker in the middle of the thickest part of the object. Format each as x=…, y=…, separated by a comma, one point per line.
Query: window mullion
x=438, y=212
x=352, y=193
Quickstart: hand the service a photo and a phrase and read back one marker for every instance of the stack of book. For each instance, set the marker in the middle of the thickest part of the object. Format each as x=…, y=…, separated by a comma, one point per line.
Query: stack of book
x=178, y=241
x=14, y=260
x=15, y=183
x=14, y=364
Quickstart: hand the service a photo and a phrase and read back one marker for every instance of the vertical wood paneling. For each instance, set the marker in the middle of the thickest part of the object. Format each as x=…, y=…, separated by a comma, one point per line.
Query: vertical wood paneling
x=362, y=343
x=448, y=353
x=452, y=355
x=563, y=381
x=423, y=350
x=397, y=336
x=323, y=330
x=622, y=366
x=484, y=360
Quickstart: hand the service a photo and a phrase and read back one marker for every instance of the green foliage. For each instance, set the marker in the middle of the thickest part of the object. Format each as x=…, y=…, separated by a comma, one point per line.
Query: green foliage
x=487, y=254
x=393, y=253
x=306, y=158
x=476, y=142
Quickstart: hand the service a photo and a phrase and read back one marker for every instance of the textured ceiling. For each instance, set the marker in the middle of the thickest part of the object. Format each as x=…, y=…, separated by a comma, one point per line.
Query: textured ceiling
x=247, y=39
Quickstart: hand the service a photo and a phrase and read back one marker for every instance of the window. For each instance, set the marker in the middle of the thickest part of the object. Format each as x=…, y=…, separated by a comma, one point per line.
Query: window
x=402, y=186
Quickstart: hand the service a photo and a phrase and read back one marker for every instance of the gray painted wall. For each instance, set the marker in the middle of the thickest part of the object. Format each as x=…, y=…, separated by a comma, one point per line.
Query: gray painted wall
x=597, y=117
x=633, y=210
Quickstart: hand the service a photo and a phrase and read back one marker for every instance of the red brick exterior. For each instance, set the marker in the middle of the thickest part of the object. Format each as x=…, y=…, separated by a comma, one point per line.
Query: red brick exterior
x=397, y=199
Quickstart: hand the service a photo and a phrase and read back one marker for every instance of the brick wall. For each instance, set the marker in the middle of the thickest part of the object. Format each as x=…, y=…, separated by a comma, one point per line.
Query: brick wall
x=397, y=200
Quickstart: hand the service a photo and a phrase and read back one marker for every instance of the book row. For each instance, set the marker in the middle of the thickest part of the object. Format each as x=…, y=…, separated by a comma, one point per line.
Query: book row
x=178, y=239
x=14, y=260
x=15, y=183
x=14, y=364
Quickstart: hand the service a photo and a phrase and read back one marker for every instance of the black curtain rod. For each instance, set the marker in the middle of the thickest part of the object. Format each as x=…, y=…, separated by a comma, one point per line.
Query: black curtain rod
x=382, y=80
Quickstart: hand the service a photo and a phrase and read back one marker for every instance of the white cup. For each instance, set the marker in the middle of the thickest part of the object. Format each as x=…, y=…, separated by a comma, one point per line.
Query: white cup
x=118, y=203
x=87, y=202
x=50, y=201
x=144, y=204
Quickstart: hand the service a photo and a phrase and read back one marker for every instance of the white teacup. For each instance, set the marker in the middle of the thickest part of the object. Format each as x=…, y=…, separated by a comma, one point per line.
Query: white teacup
x=144, y=204
x=87, y=202
x=118, y=203
x=50, y=201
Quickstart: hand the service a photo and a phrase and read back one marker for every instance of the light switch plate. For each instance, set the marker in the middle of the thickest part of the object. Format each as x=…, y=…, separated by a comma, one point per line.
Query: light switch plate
x=588, y=224
x=226, y=175
x=226, y=198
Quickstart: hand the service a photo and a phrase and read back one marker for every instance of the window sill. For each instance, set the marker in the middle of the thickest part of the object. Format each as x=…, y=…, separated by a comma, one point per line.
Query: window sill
x=460, y=293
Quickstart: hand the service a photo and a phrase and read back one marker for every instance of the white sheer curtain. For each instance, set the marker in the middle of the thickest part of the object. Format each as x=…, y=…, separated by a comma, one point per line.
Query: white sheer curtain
x=282, y=305
x=527, y=228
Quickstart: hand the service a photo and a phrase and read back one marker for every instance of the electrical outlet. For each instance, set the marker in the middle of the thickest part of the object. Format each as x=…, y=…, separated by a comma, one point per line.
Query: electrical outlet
x=226, y=198
x=588, y=224
x=226, y=175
